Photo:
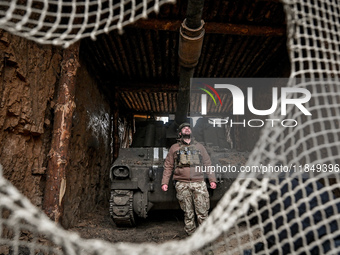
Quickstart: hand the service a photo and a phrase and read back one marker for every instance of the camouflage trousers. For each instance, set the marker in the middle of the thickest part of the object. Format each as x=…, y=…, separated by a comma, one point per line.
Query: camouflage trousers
x=193, y=197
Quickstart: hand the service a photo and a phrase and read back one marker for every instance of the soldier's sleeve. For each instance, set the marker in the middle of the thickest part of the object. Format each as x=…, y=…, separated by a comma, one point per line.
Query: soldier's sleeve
x=168, y=166
x=207, y=162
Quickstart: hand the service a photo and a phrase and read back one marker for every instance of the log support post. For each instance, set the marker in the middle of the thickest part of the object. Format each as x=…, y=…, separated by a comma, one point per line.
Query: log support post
x=59, y=154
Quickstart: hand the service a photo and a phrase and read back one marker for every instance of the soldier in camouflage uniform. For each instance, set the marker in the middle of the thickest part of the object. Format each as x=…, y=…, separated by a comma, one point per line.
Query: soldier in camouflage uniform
x=192, y=193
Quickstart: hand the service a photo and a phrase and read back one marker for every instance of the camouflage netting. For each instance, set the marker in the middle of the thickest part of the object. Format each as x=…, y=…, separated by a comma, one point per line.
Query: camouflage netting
x=261, y=213
x=65, y=22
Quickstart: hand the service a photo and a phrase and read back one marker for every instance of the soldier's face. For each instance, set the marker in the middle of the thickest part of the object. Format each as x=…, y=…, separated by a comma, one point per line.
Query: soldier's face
x=186, y=131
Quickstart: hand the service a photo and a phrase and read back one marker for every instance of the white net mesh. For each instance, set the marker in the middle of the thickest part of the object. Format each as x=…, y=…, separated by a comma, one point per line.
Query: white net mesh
x=294, y=213
x=62, y=22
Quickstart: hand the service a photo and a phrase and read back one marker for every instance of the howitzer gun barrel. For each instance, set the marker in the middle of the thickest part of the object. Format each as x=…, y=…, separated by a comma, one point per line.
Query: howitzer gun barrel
x=190, y=46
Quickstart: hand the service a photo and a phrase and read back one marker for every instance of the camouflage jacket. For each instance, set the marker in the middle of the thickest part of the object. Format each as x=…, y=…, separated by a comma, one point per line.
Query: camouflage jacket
x=187, y=173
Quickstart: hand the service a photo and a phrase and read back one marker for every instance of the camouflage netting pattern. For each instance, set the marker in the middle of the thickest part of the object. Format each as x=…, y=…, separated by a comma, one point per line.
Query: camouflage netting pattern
x=65, y=22
x=262, y=213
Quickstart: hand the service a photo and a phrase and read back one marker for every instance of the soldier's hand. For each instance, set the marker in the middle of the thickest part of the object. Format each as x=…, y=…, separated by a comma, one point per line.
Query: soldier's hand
x=164, y=187
x=213, y=185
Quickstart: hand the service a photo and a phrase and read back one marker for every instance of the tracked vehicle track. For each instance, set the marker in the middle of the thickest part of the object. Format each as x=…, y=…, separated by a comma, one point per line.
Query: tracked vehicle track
x=121, y=208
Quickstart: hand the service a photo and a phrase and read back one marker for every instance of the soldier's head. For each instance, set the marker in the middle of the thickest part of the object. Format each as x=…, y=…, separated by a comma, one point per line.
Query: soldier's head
x=184, y=130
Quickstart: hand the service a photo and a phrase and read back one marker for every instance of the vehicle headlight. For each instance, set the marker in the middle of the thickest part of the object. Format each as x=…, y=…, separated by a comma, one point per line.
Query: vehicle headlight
x=120, y=172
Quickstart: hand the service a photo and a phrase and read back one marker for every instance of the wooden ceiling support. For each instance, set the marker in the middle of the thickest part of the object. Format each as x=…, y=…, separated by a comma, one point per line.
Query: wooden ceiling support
x=59, y=154
x=211, y=28
x=145, y=87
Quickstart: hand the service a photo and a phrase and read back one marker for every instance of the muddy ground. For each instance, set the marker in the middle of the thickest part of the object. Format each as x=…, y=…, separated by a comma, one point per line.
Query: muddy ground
x=159, y=227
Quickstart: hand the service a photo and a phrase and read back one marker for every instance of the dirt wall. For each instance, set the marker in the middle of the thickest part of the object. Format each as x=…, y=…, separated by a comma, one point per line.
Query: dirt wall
x=91, y=148
x=28, y=78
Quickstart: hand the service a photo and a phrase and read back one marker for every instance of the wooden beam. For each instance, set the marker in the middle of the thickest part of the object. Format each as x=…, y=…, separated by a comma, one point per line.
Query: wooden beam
x=157, y=24
x=59, y=154
x=211, y=27
x=234, y=29
x=144, y=87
